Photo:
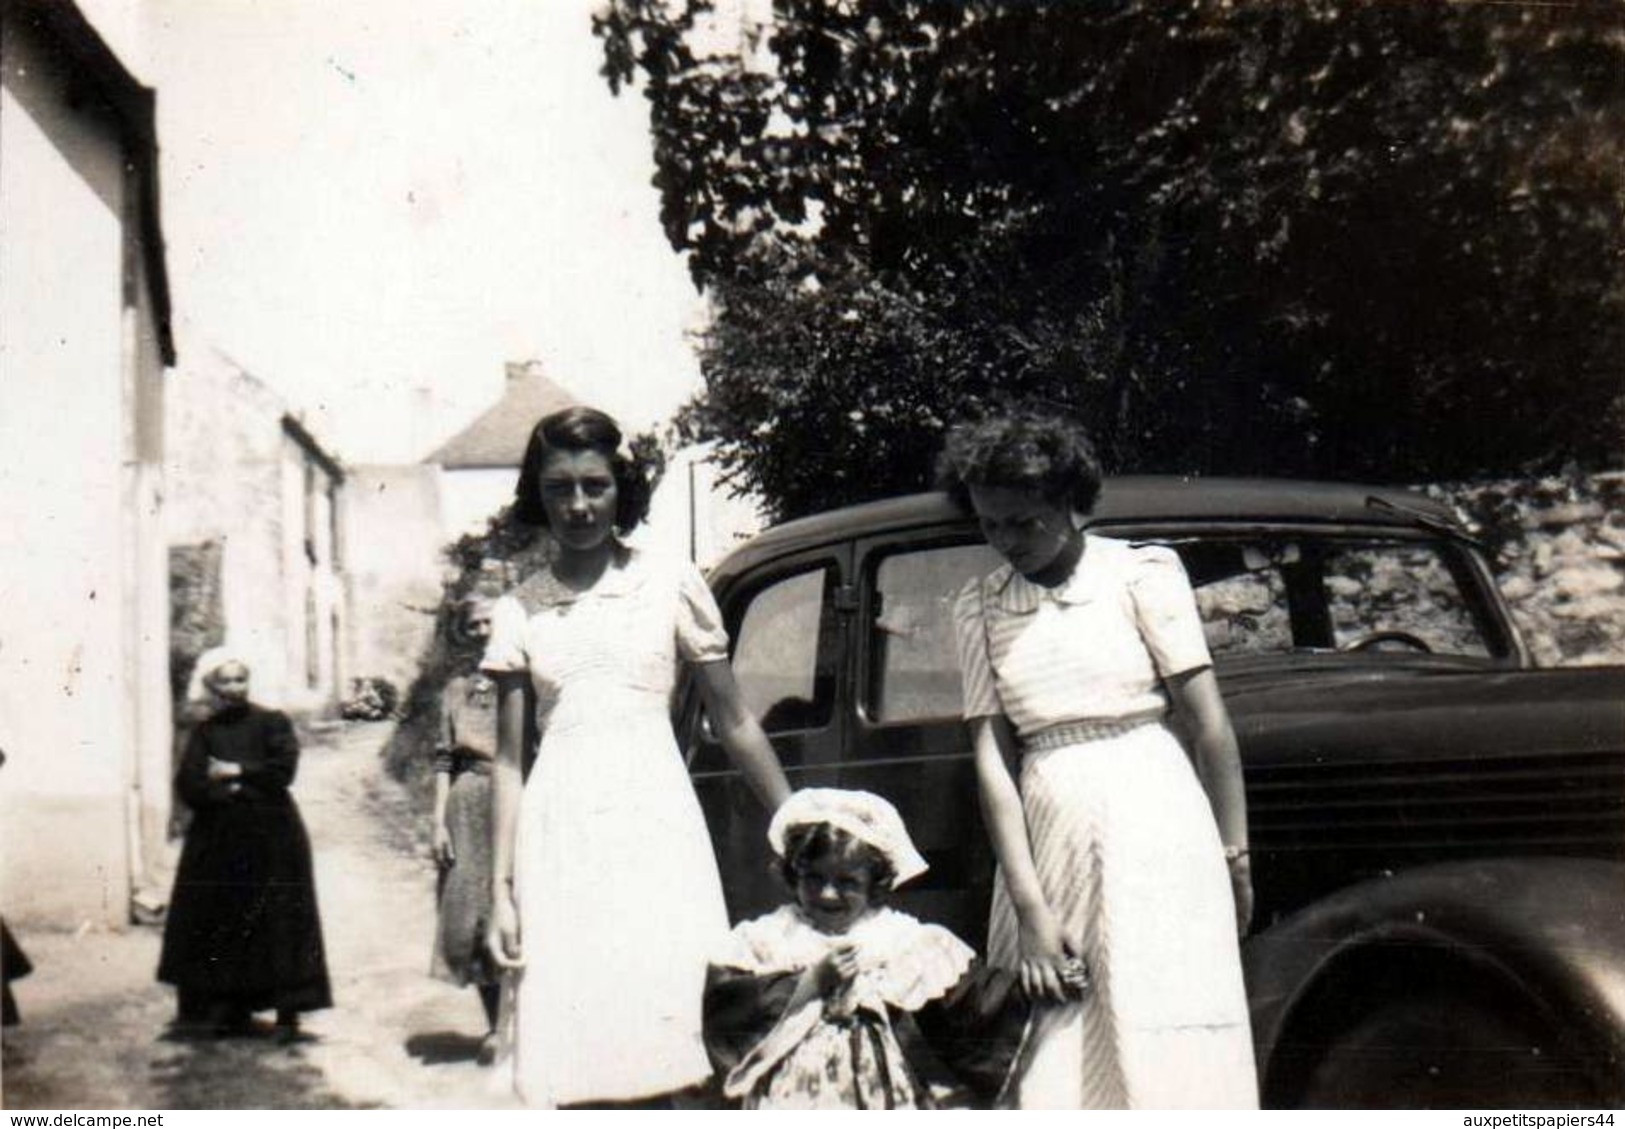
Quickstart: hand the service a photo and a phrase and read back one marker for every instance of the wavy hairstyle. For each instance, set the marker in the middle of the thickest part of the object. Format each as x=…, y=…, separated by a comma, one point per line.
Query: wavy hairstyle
x=808, y=843
x=584, y=429
x=1046, y=453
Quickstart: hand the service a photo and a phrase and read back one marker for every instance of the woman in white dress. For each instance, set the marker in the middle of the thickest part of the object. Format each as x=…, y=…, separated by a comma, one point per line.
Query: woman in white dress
x=1112, y=848
x=606, y=898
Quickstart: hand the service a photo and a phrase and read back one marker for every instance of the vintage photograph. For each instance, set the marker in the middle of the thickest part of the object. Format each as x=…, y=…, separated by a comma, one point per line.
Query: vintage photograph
x=812, y=554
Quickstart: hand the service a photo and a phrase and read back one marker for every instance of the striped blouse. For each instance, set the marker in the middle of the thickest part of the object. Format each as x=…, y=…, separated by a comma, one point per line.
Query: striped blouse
x=1096, y=647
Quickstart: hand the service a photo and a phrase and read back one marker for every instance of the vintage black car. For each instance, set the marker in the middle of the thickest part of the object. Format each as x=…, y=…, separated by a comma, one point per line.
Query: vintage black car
x=1438, y=828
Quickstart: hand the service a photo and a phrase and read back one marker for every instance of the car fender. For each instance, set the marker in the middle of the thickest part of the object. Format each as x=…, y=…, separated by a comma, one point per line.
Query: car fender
x=1552, y=929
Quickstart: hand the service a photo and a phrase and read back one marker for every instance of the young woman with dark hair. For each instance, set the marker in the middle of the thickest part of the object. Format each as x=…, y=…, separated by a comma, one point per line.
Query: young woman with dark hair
x=606, y=900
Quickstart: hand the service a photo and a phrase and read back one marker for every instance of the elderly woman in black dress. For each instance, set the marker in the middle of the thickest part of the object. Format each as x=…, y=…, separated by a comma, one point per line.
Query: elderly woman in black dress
x=243, y=933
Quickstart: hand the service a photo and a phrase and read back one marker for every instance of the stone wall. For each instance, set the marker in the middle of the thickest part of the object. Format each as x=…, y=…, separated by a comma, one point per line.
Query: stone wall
x=1558, y=549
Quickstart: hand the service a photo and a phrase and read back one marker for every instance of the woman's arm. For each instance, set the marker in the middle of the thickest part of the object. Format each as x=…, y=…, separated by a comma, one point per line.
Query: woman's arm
x=741, y=736
x=444, y=751
x=280, y=761
x=193, y=781
x=1043, y=948
x=506, y=782
x=440, y=835
x=1218, y=763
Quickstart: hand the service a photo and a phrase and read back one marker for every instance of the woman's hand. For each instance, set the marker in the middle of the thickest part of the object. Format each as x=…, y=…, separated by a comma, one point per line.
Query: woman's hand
x=503, y=936
x=1241, y=885
x=444, y=853
x=224, y=770
x=1047, y=958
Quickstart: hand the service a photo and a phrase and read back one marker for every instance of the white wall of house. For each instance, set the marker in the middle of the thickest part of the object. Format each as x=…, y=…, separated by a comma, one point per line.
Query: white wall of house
x=394, y=565
x=469, y=499
x=84, y=717
x=694, y=515
x=239, y=479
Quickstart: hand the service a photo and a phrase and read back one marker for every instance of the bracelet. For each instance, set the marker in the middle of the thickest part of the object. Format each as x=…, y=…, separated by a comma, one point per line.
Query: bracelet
x=1231, y=854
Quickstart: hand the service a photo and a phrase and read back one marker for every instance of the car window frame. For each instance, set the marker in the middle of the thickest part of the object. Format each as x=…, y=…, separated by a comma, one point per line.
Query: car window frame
x=733, y=600
x=870, y=553
x=1462, y=557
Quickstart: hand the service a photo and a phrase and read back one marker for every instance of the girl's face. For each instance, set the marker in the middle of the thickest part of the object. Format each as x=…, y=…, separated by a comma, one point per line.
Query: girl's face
x=1024, y=527
x=579, y=497
x=834, y=893
x=229, y=683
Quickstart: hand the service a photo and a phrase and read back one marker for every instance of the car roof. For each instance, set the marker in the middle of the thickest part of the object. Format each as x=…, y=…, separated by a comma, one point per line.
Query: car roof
x=1130, y=498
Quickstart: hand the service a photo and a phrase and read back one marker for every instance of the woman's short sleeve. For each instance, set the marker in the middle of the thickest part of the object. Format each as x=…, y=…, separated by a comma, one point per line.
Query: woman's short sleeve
x=700, y=635
x=981, y=696
x=505, y=650
x=1165, y=610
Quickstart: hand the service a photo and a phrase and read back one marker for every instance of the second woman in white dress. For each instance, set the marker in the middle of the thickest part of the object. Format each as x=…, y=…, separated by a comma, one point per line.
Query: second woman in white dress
x=1110, y=848
x=606, y=896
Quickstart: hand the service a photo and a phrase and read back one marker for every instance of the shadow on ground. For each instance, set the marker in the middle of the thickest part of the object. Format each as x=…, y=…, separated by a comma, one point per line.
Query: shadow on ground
x=239, y=1073
x=437, y=1048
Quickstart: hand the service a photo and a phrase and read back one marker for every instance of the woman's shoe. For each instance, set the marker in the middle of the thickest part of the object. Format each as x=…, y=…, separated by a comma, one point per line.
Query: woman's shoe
x=487, y=1053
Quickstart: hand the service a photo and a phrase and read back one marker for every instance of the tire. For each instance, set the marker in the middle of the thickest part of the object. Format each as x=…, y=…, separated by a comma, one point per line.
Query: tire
x=1450, y=1040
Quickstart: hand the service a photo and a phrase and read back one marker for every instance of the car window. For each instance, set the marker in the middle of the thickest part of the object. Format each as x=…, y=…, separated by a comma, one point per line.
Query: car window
x=913, y=663
x=786, y=652
x=1399, y=596
x=1275, y=595
x=1246, y=614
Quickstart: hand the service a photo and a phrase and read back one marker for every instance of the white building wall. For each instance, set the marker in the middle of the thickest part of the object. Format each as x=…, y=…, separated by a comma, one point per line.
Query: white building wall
x=395, y=566
x=694, y=515
x=469, y=499
x=70, y=562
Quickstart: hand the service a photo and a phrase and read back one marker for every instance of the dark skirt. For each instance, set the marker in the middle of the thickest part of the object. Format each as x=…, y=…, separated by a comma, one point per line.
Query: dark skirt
x=16, y=966
x=460, y=955
x=243, y=931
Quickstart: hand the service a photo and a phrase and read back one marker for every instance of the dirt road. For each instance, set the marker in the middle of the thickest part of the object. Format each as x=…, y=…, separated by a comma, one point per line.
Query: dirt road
x=94, y=1018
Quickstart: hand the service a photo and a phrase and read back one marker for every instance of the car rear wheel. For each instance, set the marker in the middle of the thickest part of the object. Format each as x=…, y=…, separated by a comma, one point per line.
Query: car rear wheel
x=1432, y=1039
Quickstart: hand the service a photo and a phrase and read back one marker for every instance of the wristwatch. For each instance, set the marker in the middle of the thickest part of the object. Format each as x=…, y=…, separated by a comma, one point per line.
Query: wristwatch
x=1231, y=854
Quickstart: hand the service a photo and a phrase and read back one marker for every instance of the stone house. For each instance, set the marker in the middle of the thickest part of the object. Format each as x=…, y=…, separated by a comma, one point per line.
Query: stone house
x=256, y=554
x=85, y=341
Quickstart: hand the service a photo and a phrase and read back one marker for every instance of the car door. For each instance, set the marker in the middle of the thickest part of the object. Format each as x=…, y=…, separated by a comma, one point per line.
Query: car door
x=907, y=739
x=787, y=625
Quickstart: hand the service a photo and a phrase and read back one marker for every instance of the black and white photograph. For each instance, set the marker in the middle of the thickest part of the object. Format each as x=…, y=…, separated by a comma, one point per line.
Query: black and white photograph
x=812, y=554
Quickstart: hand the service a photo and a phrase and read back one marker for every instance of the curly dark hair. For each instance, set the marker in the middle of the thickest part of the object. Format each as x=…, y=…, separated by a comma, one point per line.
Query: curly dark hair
x=583, y=429
x=1023, y=450
x=808, y=843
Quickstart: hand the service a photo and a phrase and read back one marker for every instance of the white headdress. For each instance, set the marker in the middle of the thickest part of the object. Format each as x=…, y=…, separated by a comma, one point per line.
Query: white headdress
x=862, y=815
x=197, y=687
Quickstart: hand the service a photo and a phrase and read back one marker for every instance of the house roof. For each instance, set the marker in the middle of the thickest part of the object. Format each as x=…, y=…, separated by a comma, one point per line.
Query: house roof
x=295, y=429
x=497, y=438
x=100, y=77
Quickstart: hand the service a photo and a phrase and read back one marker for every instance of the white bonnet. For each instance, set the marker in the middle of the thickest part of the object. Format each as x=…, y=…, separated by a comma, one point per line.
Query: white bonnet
x=862, y=815
x=208, y=662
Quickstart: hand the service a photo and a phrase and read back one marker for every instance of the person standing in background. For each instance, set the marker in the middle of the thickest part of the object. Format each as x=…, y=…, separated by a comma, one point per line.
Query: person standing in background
x=464, y=752
x=243, y=932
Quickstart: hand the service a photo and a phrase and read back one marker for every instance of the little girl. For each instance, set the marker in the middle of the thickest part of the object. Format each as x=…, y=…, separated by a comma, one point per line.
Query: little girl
x=837, y=1001
x=242, y=933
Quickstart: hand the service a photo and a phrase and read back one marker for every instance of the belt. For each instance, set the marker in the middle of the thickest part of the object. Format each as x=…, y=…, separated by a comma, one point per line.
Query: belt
x=1085, y=730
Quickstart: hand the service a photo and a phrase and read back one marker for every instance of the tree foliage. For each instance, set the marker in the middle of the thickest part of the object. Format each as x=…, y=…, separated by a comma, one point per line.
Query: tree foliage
x=1346, y=238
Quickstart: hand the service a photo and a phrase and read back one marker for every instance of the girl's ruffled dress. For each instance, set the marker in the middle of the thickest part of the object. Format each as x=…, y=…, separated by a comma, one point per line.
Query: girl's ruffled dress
x=922, y=1026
